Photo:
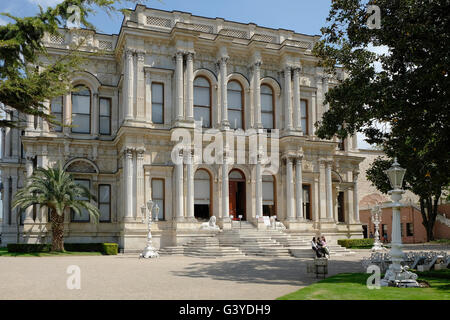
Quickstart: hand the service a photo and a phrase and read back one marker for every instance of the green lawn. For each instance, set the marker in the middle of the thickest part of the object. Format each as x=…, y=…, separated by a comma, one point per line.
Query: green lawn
x=352, y=286
x=4, y=253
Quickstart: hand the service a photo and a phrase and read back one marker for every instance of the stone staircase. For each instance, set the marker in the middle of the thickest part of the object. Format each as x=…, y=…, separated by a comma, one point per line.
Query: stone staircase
x=207, y=247
x=245, y=239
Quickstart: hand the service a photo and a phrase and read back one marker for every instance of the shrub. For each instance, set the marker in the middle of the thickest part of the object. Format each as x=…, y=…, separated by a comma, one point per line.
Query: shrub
x=354, y=243
x=28, y=247
x=105, y=248
x=110, y=248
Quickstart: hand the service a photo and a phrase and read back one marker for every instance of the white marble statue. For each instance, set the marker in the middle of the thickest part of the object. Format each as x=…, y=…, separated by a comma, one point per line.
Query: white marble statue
x=210, y=225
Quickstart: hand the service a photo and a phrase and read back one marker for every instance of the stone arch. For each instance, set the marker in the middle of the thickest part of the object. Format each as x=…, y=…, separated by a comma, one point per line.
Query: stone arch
x=241, y=79
x=207, y=74
x=88, y=79
x=81, y=165
x=272, y=83
x=336, y=177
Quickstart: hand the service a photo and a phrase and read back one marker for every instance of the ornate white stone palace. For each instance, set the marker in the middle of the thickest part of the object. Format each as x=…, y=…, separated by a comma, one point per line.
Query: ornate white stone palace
x=162, y=71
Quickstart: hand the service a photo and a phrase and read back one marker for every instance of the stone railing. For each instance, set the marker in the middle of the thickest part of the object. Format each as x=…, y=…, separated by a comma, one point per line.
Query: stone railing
x=85, y=40
x=166, y=21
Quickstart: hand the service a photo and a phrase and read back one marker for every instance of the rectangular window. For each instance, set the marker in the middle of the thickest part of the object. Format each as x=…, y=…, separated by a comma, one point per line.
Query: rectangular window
x=158, y=103
x=158, y=196
x=56, y=109
x=402, y=230
x=307, y=201
x=409, y=230
x=304, y=115
x=105, y=116
x=104, y=202
x=83, y=216
x=81, y=114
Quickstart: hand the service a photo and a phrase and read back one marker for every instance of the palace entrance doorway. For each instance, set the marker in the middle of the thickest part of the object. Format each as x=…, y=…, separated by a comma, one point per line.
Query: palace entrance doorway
x=237, y=194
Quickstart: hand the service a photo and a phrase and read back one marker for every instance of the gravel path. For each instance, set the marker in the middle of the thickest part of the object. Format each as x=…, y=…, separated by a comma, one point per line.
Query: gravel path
x=168, y=277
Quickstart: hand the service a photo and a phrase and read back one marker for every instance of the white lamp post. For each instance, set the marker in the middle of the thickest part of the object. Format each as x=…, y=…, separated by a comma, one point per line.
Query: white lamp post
x=397, y=275
x=376, y=219
x=149, y=251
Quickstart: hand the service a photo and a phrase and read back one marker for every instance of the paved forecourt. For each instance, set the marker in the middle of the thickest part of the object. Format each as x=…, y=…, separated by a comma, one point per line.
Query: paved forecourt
x=168, y=277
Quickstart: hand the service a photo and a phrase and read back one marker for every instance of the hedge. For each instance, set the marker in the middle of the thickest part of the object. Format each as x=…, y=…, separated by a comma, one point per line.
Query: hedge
x=104, y=248
x=353, y=243
x=28, y=247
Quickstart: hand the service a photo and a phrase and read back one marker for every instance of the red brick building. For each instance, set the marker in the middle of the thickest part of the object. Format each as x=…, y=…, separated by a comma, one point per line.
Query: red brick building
x=411, y=223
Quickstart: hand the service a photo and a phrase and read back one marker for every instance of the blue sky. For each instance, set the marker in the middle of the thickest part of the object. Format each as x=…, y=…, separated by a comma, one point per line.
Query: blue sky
x=303, y=16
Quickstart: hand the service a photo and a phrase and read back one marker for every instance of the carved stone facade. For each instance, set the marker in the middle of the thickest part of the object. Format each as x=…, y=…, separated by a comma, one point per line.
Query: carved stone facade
x=148, y=74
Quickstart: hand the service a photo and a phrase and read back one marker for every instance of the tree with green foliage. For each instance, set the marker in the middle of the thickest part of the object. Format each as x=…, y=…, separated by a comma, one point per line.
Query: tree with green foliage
x=409, y=92
x=55, y=189
x=25, y=80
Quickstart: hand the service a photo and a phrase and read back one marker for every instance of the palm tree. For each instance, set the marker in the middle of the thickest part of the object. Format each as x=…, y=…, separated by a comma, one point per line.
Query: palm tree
x=55, y=189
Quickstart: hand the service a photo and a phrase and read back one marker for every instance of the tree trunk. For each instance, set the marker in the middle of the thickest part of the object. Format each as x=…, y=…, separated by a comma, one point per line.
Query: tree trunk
x=57, y=231
x=428, y=208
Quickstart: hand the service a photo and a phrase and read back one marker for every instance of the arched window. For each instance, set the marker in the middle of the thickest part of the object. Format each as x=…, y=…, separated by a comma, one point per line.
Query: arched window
x=81, y=110
x=202, y=101
x=269, y=195
x=202, y=194
x=267, y=107
x=235, y=105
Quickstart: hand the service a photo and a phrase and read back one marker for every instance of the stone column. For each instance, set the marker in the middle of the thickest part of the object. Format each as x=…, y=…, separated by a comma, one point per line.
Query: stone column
x=287, y=99
x=3, y=142
x=322, y=191
x=225, y=190
x=355, y=196
x=67, y=113
x=129, y=85
x=95, y=114
x=140, y=181
x=299, y=188
x=258, y=188
x=257, y=93
x=313, y=114
x=7, y=153
x=30, y=122
x=297, y=105
x=140, y=90
x=14, y=212
x=148, y=97
x=190, y=186
x=29, y=168
x=328, y=182
x=290, y=213
x=148, y=187
x=6, y=204
x=319, y=98
x=190, y=87
x=224, y=91
x=128, y=175
x=179, y=86
x=45, y=126
x=325, y=90
x=179, y=182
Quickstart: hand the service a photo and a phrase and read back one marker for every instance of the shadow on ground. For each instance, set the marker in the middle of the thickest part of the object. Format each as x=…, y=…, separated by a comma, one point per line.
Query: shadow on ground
x=276, y=271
